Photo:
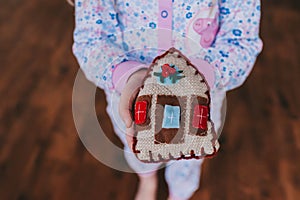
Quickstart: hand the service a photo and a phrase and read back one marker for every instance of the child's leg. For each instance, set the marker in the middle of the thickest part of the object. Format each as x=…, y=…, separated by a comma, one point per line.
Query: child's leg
x=147, y=187
x=183, y=178
x=146, y=172
x=143, y=169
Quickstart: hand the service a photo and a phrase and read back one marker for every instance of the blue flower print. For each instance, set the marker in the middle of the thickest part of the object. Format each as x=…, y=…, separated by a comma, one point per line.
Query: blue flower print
x=233, y=41
x=112, y=37
x=224, y=11
x=208, y=59
x=189, y=15
x=142, y=57
x=152, y=25
x=99, y=21
x=112, y=15
x=223, y=54
x=237, y=32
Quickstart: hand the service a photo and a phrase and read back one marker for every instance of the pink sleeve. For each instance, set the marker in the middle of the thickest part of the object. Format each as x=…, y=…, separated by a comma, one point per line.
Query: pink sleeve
x=206, y=69
x=123, y=71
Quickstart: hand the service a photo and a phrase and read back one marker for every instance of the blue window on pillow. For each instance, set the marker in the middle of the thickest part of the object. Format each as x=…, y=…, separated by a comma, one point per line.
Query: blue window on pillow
x=171, y=117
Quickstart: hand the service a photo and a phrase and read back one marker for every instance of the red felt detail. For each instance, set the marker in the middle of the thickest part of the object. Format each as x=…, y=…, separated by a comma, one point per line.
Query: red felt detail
x=167, y=70
x=140, y=112
x=200, y=117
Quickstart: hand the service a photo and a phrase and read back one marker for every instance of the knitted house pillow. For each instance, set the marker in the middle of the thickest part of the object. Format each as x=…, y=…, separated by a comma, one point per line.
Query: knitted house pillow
x=172, y=112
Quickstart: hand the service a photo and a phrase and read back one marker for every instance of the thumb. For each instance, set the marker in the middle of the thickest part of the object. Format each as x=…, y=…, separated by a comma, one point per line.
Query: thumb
x=129, y=136
x=124, y=110
x=126, y=100
x=128, y=95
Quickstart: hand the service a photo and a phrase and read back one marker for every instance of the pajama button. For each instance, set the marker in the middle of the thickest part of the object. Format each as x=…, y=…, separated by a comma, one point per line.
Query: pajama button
x=164, y=14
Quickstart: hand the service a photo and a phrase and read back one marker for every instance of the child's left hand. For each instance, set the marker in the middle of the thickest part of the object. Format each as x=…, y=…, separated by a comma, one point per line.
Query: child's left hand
x=128, y=95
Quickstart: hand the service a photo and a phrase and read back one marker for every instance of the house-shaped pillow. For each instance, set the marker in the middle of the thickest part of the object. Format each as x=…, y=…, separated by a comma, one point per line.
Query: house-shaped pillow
x=172, y=112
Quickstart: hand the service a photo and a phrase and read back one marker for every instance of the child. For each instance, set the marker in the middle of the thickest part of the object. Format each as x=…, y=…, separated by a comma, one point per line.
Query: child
x=115, y=40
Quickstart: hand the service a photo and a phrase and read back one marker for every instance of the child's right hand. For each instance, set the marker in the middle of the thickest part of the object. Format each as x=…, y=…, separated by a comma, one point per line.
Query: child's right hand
x=128, y=95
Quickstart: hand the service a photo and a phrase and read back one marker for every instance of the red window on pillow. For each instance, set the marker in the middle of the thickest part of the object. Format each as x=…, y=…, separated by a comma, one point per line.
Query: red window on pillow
x=200, y=117
x=140, y=112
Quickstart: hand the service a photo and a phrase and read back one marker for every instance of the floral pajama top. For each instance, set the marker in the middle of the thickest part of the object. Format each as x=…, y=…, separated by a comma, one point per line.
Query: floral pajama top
x=112, y=34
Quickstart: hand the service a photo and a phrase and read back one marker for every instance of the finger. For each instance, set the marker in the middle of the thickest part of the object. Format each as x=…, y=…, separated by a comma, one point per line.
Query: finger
x=129, y=136
x=126, y=100
x=124, y=109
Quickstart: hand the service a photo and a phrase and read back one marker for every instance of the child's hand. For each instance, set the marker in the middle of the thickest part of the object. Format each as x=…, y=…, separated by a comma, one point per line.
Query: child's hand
x=126, y=100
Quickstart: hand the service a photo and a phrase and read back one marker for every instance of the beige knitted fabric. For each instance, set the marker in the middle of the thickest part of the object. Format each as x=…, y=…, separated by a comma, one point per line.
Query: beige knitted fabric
x=186, y=89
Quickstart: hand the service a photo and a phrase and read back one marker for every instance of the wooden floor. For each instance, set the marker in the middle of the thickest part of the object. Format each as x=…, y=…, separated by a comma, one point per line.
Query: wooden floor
x=41, y=156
